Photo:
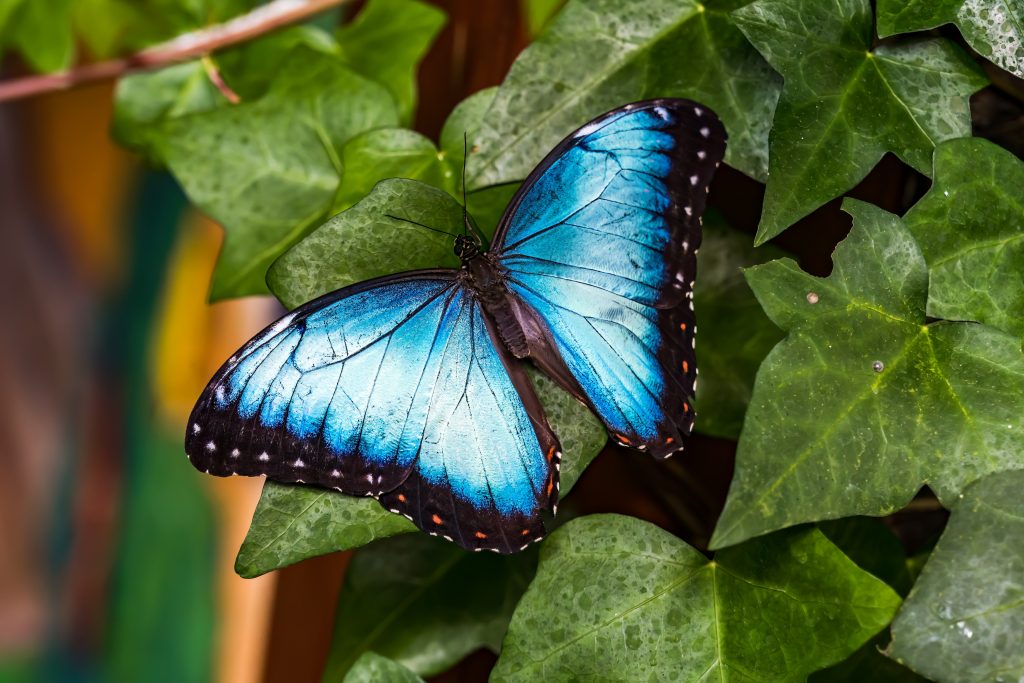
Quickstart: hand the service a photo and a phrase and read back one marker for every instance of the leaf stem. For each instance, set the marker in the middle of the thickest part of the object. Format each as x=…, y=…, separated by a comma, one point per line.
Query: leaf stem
x=202, y=42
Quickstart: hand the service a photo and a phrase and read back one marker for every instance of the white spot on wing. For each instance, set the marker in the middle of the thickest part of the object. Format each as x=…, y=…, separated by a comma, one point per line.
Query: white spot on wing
x=196, y=429
x=235, y=453
x=694, y=180
x=211, y=446
x=701, y=154
x=298, y=463
x=264, y=457
x=705, y=131
x=688, y=209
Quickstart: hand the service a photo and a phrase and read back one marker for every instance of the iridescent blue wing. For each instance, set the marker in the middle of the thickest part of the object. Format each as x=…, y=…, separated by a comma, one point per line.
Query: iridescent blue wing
x=601, y=241
x=392, y=388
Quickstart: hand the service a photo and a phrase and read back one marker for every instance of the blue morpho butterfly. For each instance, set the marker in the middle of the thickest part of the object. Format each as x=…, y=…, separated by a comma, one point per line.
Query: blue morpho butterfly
x=411, y=388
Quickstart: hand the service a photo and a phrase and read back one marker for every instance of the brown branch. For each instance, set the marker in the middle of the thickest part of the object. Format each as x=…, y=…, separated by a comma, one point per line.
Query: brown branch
x=259, y=21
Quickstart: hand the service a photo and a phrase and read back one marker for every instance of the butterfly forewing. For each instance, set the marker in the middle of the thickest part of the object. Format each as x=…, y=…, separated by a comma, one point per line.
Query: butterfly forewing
x=601, y=241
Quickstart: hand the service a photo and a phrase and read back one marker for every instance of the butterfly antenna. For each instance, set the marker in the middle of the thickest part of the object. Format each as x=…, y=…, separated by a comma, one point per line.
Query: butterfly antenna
x=406, y=220
x=465, y=207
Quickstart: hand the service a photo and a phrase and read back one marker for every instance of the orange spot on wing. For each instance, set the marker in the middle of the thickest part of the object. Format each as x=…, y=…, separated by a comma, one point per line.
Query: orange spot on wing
x=669, y=440
x=682, y=326
x=621, y=439
x=551, y=453
x=526, y=532
x=551, y=485
x=480, y=535
x=686, y=366
x=686, y=407
x=401, y=497
x=437, y=520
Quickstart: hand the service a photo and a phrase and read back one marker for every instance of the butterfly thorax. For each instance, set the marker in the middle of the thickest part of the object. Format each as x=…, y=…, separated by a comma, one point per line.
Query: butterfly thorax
x=512, y=321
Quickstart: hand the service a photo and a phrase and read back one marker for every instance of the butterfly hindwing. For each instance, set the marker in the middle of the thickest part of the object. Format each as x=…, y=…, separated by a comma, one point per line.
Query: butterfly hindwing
x=601, y=242
x=392, y=388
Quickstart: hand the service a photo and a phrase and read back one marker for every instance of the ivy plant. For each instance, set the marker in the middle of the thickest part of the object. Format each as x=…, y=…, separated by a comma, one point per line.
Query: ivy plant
x=866, y=391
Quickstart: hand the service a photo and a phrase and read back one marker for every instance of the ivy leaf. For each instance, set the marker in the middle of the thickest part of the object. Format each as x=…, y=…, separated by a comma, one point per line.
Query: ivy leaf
x=618, y=598
x=844, y=105
x=994, y=29
x=970, y=227
x=600, y=54
x=293, y=523
x=735, y=334
x=41, y=31
x=393, y=153
x=269, y=170
x=865, y=401
x=964, y=617
x=370, y=240
x=386, y=42
x=144, y=102
x=425, y=603
x=372, y=668
x=287, y=524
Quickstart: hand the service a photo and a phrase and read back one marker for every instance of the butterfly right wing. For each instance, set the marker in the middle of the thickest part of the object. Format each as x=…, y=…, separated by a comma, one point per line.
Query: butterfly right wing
x=391, y=388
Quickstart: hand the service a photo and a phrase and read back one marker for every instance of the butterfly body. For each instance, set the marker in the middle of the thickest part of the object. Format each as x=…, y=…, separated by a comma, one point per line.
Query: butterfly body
x=412, y=388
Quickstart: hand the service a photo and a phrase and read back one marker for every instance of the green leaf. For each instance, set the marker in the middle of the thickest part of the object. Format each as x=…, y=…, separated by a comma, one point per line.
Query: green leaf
x=867, y=664
x=600, y=54
x=970, y=227
x=538, y=13
x=41, y=31
x=994, y=28
x=144, y=102
x=269, y=170
x=366, y=242
x=616, y=598
x=875, y=549
x=845, y=105
x=293, y=523
x=393, y=153
x=372, y=668
x=864, y=401
x=735, y=334
x=964, y=617
x=386, y=42
x=425, y=603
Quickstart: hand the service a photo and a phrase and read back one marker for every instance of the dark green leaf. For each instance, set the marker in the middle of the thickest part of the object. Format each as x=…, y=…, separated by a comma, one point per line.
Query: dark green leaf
x=372, y=668
x=875, y=549
x=845, y=105
x=970, y=227
x=601, y=54
x=964, y=617
x=867, y=664
x=616, y=598
x=293, y=523
x=864, y=402
x=425, y=603
x=735, y=334
x=269, y=170
x=538, y=13
x=994, y=28
x=386, y=42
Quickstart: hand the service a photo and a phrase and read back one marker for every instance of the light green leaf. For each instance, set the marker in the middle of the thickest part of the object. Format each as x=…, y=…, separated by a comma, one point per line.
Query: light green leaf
x=269, y=170
x=964, y=617
x=372, y=668
x=386, y=42
x=865, y=401
x=41, y=31
x=144, y=102
x=293, y=523
x=600, y=54
x=994, y=28
x=393, y=153
x=425, y=603
x=616, y=598
x=970, y=227
x=845, y=105
x=735, y=334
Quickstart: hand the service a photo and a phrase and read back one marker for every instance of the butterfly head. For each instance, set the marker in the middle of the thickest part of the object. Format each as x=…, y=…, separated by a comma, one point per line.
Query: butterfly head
x=467, y=247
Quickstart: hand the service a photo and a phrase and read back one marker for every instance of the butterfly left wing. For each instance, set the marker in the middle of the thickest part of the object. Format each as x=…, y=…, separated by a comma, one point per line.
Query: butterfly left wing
x=392, y=388
x=601, y=243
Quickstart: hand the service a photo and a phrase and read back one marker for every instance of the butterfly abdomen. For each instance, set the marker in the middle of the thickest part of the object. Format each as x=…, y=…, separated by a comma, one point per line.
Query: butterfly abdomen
x=487, y=282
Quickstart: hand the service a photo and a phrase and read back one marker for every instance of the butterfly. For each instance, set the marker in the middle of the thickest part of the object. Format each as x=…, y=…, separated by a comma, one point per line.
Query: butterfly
x=411, y=388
